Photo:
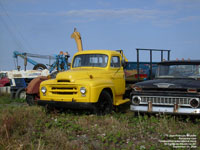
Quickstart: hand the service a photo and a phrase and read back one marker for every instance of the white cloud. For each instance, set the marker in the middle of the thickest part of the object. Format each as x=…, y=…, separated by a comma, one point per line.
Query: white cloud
x=166, y=22
x=180, y=4
x=155, y=16
x=189, y=18
x=95, y=14
x=112, y=13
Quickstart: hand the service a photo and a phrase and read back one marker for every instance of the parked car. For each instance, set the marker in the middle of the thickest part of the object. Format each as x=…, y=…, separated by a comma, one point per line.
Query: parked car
x=175, y=89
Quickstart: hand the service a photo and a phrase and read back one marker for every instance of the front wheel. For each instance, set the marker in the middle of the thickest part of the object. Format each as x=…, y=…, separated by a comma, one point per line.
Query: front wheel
x=104, y=105
x=21, y=93
x=30, y=99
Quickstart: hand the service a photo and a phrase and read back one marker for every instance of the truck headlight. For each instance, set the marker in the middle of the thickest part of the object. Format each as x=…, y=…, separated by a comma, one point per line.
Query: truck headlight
x=83, y=90
x=43, y=90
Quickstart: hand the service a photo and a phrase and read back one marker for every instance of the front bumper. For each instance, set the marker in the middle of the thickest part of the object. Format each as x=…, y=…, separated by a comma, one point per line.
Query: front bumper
x=69, y=105
x=165, y=109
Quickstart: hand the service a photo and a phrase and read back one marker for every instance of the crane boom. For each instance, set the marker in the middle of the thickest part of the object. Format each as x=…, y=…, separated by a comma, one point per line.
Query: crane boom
x=25, y=57
x=22, y=54
x=76, y=35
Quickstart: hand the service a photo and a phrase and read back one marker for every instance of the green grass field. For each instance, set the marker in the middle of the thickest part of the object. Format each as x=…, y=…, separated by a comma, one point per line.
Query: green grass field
x=23, y=127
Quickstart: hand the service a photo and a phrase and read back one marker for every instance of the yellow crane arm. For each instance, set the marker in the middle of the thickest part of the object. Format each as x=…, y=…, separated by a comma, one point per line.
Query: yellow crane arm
x=76, y=35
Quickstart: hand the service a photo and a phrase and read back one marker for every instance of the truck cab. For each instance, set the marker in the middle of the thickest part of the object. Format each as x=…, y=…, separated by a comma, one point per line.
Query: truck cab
x=95, y=81
x=175, y=90
x=4, y=81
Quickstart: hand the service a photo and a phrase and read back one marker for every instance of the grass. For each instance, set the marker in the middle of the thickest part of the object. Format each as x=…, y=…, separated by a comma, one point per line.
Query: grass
x=5, y=99
x=23, y=127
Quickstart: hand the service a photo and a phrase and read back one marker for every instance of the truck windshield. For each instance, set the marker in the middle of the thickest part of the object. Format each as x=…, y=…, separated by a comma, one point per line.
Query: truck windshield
x=3, y=75
x=90, y=60
x=178, y=71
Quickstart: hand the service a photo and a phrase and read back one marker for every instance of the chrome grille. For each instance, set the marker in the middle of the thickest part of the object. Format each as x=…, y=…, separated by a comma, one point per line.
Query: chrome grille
x=163, y=100
x=64, y=90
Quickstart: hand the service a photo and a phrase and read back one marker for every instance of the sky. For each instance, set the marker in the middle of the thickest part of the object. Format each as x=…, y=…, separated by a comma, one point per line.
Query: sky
x=44, y=27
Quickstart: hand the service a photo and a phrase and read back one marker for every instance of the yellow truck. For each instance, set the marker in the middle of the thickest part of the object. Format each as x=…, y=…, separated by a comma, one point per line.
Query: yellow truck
x=95, y=81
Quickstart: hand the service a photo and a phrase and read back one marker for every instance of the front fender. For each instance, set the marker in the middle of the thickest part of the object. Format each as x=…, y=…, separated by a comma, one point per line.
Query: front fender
x=97, y=86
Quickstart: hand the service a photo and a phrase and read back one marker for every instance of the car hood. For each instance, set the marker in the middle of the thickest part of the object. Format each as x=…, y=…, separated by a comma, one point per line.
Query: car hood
x=170, y=83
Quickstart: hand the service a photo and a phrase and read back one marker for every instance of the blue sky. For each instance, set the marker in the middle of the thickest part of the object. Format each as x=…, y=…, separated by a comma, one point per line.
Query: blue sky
x=45, y=26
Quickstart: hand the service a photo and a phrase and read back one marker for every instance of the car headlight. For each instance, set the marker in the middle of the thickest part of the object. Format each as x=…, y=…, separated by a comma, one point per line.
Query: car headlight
x=43, y=90
x=136, y=100
x=83, y=90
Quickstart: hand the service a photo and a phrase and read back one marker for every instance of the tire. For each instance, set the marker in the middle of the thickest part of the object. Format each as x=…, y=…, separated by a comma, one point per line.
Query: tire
x=21, y=93
x=104, y=105
x=12, y=95
x=30, y=99
x=50, y=109
x=39, y=67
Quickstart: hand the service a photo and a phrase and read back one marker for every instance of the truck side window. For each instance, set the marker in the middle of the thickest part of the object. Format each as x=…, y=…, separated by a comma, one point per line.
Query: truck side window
x=115, y=62
x=77, y=62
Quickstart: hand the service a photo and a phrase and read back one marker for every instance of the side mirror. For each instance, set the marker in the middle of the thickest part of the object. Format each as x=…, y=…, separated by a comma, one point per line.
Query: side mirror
x=123, y=62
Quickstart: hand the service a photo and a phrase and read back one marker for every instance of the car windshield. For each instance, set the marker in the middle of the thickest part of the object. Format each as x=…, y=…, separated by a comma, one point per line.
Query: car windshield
x=90, y=60
x=178, y=71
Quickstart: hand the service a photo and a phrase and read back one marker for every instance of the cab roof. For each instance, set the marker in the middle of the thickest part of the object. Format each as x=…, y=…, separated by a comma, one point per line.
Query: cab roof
x=108, y=52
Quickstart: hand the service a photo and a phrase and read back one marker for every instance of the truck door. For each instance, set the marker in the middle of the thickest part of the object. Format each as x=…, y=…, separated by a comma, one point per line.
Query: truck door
x=118, y=75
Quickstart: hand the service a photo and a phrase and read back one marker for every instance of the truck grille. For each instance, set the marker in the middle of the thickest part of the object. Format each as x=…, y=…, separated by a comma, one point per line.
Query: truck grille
x=163, y=100
x=164, y=90
x=64, y=90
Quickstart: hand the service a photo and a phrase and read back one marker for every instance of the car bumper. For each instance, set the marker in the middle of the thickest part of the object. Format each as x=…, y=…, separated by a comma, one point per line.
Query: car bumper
x=69, y=105
x=165, y=110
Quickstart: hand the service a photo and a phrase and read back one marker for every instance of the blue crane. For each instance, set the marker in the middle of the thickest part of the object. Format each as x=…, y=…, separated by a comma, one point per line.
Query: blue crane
x=60, y=63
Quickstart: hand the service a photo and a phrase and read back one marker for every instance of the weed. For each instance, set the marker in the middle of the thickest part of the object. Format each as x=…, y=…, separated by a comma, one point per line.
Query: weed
x=24, y=127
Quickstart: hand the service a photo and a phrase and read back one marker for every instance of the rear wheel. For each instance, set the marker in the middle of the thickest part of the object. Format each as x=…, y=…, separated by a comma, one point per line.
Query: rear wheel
x=104, y=105
x=12, y=95
x=21, y=93
x=39, y=67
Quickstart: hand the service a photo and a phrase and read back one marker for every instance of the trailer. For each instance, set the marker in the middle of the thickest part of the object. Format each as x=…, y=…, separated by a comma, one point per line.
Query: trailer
x=20, y=79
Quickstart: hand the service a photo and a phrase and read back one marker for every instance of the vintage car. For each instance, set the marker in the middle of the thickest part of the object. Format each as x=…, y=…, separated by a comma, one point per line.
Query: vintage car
x=175, y=90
